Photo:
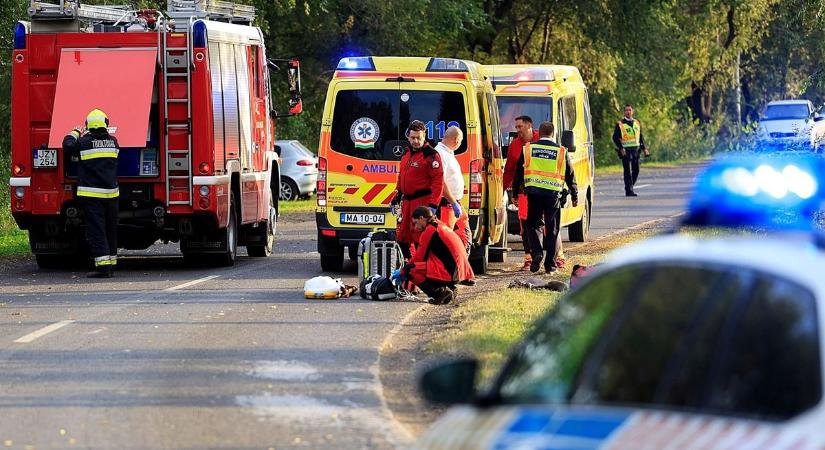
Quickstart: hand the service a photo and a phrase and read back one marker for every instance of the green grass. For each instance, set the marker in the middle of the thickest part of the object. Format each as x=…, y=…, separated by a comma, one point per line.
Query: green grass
x=617, y=168
x=297, y=206
x=13, y=242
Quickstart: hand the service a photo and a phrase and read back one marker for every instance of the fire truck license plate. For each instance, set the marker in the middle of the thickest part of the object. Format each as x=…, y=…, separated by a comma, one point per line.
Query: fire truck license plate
x=362, y=219
x=45, y=158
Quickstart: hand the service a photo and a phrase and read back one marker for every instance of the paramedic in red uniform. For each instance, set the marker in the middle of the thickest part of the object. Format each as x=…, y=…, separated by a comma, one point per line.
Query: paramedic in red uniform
x=526, y=134
x=97, y=188
x=440, y=261
x=420, y=183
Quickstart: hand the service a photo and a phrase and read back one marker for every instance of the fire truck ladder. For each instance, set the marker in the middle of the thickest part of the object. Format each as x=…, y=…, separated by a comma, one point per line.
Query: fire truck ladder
x=177, y=66
x=74, y=10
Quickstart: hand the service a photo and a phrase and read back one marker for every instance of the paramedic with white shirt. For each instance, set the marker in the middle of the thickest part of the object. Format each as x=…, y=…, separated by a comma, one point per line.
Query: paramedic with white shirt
x=451, y=213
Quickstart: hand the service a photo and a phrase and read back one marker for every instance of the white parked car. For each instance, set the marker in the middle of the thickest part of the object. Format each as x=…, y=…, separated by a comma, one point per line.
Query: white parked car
x=299, y=169
x=791, y=124
x=677, y=342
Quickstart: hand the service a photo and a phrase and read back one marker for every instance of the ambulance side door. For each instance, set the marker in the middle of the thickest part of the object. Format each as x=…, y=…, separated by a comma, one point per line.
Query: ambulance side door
x=497, y=215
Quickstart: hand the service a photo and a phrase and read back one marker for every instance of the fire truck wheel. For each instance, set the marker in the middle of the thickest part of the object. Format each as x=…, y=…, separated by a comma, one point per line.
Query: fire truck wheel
x=52, y=261
x=289, y=190
x=230, y=236
x=267, y=233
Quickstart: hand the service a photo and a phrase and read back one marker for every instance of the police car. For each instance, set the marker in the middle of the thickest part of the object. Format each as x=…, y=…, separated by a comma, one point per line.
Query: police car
x=676, y=342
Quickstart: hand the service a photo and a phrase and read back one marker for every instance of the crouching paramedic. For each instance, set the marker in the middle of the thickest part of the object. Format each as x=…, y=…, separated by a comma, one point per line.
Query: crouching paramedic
x=97, y=188
x=440, y=261
x=420, y=183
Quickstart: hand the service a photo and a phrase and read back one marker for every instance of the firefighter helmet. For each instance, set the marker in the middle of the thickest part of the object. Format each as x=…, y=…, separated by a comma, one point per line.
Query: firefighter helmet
x=97, y=119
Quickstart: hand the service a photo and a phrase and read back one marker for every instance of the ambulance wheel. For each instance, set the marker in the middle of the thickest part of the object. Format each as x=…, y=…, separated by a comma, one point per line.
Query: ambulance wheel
x=229, y=236
x=480, y=258
x=333, y=262
x=579, y=231
x=267, y=233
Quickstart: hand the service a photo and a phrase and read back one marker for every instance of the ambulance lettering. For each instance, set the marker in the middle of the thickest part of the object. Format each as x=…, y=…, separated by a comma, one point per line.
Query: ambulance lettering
x=380, y=168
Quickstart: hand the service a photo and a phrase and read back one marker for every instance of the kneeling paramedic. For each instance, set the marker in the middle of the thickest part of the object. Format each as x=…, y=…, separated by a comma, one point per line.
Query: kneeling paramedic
x=543, y=170
x=440, y=261
x=97, y=188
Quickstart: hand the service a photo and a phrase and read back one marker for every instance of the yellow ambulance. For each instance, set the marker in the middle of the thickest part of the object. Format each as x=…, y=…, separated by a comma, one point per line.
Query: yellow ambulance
x=370, y=102
x=557, y=94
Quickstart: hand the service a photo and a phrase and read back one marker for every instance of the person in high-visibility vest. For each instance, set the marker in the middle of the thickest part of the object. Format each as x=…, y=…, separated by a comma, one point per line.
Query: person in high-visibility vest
x=97, y=188
x=544, y=169
x=629, y=145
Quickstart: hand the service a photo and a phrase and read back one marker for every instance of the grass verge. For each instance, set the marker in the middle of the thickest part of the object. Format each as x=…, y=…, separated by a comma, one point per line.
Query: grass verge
x=487, y=325
x=13, y=242
x=297, y=206
x=617, y=168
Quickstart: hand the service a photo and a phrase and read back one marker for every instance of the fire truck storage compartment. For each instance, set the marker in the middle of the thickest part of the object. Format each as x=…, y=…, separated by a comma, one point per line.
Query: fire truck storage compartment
x=118, y=81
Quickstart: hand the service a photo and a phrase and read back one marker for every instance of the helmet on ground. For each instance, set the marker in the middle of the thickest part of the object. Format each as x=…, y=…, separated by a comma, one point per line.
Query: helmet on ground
x=97, y=119
x=322, y=287
x=376, y=287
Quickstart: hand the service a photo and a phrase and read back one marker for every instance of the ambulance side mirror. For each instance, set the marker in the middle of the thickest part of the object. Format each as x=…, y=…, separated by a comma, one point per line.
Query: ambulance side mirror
x=568, y=140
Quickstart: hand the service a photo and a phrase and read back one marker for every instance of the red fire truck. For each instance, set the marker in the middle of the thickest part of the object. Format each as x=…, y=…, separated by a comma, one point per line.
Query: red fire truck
x=188, y=96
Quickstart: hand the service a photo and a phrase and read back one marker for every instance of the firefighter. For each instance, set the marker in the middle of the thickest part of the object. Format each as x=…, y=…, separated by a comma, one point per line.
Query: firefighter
x=543, y=169
x=629, y=142
x=525, y=134
x=440, y=261
x=420, y=183
x=97, y=188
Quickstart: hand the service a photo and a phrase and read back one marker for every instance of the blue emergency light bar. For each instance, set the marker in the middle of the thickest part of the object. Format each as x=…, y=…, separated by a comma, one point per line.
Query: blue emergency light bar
x=759, y=191
x=356, y=63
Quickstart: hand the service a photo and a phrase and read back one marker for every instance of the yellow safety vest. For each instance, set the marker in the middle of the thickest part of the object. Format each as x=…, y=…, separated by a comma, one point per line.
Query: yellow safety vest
x=630, y=134
x=544, y=166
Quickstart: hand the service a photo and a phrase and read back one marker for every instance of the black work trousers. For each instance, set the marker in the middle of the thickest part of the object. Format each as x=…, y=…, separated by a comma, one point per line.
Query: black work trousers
x=543, y=222
x=440, y=292
x=101, y=226
x=630, y=164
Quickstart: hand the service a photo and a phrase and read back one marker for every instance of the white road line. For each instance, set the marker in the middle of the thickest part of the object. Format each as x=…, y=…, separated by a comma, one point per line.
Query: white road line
x=42, y=332
x=641, y=186
x=191, y=283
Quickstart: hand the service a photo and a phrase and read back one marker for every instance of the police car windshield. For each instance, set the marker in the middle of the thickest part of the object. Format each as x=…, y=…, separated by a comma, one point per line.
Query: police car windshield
x=370, y=124
x=716, y=340
x=786, y=112
x=540, y=109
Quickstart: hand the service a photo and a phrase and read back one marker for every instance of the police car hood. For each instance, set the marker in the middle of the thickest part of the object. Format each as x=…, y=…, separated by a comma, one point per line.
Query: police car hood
x=562, y=427
x=118, y=81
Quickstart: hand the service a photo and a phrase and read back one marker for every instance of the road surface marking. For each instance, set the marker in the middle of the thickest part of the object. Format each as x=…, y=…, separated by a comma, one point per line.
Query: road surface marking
x=641, y=186
x=191, y=283
x=43, y=331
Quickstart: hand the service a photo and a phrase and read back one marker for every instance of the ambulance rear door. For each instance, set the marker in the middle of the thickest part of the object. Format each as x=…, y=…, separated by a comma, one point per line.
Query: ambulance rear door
x=367, y=140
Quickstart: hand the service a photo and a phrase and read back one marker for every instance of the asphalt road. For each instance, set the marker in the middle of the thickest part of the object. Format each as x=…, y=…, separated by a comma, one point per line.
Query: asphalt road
x=169, y=357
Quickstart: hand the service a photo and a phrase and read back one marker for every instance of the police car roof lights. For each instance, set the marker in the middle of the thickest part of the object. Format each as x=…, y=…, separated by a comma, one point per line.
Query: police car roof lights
x=760, y=191
x=447, y=65
x=356, y=63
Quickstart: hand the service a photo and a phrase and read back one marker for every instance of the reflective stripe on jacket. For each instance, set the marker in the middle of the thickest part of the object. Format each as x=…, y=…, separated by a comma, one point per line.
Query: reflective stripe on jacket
x=97, y=169
x=544, y=166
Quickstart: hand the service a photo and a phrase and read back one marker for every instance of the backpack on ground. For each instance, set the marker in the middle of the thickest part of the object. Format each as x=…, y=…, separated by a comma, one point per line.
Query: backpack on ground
x=379, y=254
x=378, y=288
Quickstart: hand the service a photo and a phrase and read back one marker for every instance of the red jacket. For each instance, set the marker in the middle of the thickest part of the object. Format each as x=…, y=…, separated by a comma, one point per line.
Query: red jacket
x=513, y=155
x=421, y=176
x=441, y=256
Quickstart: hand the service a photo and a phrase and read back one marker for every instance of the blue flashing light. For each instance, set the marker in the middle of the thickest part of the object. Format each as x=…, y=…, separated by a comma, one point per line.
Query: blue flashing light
x=199, y=34
x=759, y=191
x=20, y=32
x=356, y=63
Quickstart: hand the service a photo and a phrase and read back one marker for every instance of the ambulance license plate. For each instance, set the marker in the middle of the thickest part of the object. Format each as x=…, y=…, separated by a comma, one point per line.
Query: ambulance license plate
x=362, y=219
x=45, y=158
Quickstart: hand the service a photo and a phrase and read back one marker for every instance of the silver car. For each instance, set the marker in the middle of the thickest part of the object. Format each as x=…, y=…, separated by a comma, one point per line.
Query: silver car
x=299, y=169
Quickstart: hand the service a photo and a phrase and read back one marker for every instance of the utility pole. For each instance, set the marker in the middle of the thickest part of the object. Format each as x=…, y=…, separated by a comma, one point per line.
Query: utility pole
x=738, y=95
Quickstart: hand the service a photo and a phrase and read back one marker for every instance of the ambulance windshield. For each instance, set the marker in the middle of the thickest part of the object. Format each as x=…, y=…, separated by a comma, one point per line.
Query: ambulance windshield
x=370, y=124
x=540, y=109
